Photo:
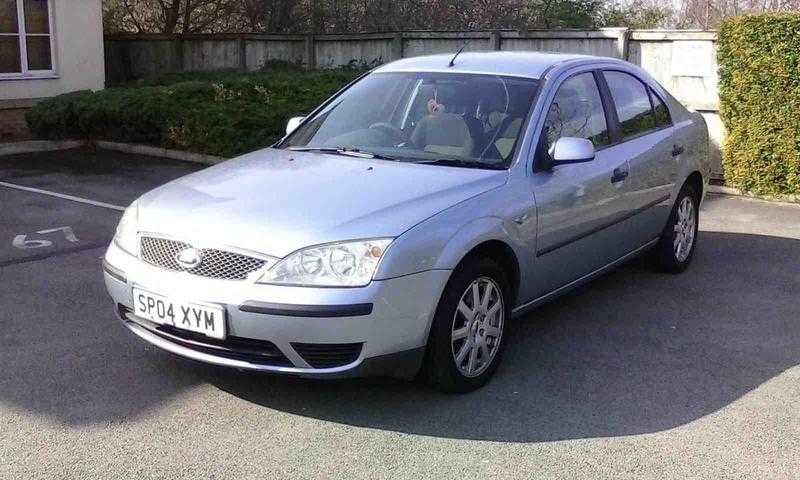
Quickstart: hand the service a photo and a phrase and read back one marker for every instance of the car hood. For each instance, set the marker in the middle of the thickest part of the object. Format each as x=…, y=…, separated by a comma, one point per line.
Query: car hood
x=277, y=201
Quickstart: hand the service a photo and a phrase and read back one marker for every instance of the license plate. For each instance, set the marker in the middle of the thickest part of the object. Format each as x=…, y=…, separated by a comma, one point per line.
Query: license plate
x=205, y=319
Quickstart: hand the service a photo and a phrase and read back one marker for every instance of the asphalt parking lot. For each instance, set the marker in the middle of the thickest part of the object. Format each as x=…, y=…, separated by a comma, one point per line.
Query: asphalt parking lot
x=637, y=375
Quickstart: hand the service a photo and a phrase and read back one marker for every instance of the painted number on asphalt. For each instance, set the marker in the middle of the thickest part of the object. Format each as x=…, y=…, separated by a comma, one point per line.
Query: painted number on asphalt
x=22, y=241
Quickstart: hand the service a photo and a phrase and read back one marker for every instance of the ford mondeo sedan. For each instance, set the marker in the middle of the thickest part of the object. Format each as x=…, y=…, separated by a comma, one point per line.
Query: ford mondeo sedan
x=398, y=228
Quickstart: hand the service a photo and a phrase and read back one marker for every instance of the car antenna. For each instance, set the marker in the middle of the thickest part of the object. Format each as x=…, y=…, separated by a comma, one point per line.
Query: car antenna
x=453, y=60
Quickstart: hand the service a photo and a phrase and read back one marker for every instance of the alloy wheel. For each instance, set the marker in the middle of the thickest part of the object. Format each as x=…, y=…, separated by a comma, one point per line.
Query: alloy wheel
x=477, y=327
x=684, y=228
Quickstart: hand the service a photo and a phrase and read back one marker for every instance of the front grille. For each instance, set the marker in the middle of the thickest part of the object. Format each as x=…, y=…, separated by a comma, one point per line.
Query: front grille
x=328, y=355
x=262, y=352
x=163, y=252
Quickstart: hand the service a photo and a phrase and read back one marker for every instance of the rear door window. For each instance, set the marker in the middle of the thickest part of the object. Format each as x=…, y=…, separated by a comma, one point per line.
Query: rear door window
x=632, y=103
x=660, y=110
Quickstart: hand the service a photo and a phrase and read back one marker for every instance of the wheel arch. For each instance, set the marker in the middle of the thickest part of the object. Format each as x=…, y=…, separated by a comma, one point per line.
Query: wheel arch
x=695, y=180
x=502, y=253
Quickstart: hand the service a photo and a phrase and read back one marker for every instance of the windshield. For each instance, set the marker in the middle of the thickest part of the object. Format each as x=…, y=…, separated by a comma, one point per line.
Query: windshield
x=469, y=120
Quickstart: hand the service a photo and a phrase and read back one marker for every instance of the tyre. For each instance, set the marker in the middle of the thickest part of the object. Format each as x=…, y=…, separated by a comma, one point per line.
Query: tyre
x=676, y=246
x=466, y=338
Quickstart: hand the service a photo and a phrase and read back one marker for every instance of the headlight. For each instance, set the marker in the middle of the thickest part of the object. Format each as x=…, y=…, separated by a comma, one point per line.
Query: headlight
x=125, y=237
x=345, y=264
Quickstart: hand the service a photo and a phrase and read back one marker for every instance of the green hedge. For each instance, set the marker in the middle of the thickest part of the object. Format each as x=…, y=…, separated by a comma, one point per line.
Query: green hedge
x=759, y=58
x=218, y=114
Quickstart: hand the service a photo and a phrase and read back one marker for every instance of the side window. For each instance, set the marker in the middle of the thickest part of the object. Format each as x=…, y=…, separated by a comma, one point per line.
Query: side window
x=632, y=103
x=576, y=111
x=660, y=110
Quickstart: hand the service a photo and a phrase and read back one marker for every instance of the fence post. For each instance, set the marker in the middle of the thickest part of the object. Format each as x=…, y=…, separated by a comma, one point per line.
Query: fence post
x=311, y=53
x=127, y=62
x=397, y=46
x=622, y=43
x=495, y=40
x=242, y=43
x=179, y=53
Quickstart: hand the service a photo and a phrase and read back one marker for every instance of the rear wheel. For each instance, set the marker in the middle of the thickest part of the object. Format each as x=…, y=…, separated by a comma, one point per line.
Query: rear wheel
x=466, y=338
x=678, y=240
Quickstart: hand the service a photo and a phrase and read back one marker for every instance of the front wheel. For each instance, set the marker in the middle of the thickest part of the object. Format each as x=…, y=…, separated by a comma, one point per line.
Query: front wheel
x=678, y=240
x=466, y=338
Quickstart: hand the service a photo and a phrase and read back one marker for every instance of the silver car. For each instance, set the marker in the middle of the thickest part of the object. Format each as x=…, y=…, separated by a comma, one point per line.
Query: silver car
x=398, y=228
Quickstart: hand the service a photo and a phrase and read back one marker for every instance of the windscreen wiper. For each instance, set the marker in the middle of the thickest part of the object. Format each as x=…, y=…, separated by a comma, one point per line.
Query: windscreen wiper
x=350, y=152
x=454, y=162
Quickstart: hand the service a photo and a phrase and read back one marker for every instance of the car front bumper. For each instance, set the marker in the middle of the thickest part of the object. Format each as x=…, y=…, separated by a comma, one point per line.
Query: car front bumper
x=380, y=329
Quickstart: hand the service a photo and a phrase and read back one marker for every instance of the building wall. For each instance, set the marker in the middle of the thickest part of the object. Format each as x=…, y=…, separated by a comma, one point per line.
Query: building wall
x=12, y=121
x=79, y=54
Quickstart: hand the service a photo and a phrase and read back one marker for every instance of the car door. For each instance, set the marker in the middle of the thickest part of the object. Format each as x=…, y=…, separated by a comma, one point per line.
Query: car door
x=646, y=132
x=579, y=206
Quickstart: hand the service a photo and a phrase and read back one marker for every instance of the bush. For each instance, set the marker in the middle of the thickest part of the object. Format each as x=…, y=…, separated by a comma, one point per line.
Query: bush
x=759, y=58
x=224, y=114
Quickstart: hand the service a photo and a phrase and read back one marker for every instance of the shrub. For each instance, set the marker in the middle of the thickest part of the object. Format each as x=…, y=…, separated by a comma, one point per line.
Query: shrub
x=223, y=114
x=759, y=59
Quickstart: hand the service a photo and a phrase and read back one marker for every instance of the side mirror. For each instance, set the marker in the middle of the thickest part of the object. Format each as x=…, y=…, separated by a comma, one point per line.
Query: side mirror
x=293, y=123
x=568, y=150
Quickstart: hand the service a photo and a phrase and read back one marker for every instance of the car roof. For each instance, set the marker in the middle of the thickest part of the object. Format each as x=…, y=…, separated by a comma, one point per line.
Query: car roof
x=519, y=64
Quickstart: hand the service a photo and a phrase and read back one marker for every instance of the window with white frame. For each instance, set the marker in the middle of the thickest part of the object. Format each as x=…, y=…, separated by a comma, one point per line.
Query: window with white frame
x=26, y=38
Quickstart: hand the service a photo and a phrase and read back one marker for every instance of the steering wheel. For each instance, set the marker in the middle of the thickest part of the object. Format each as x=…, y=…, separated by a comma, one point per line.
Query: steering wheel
x=395, y=134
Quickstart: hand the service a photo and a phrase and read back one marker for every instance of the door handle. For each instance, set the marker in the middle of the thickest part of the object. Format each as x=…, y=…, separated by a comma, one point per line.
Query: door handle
x=677, y=150
x=619, y=174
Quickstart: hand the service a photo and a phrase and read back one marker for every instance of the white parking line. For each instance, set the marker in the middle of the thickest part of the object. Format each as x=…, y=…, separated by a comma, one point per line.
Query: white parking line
x=64, y=196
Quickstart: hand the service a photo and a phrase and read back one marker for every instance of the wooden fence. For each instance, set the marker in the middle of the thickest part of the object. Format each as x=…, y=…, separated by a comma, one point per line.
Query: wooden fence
x=684, y=61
